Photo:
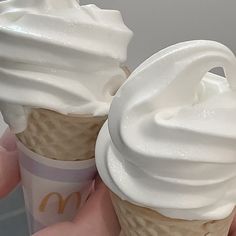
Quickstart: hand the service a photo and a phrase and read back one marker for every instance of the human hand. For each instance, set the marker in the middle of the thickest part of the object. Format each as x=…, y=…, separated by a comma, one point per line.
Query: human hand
x=9, y=169
x=232, y=231
x=96, y=217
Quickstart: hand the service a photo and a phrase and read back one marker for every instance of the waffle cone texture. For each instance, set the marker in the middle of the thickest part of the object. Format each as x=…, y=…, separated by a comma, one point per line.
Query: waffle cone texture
x=61, y=137
x=140, y=221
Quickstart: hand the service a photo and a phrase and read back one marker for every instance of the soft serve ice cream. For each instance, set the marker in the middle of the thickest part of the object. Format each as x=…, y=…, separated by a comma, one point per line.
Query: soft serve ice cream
x=58, y=55
x=169, y=143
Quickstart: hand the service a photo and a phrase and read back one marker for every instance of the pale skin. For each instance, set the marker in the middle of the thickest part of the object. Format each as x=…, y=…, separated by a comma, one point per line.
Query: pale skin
x=97, y=217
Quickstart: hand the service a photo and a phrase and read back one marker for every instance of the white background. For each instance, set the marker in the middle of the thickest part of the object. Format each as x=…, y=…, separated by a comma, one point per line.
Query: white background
x=160, y=23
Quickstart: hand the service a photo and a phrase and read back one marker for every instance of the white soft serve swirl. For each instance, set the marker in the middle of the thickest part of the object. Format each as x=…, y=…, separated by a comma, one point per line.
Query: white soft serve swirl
x=168, y=146
x=58, y=55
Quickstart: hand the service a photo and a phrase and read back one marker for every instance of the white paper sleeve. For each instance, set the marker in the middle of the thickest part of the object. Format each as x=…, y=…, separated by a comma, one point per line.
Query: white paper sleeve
x=54, y=190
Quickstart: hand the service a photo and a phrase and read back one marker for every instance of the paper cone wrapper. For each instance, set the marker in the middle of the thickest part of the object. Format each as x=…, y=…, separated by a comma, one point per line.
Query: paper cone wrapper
x=54, y=190
x=57, y=165
x=135, y=220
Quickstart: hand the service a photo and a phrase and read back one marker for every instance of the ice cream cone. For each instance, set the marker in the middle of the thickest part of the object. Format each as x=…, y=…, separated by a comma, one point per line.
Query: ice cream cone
x=136, y=220
x=57, y=165
x=63, y=59
x=167, y=152
x=61, y=137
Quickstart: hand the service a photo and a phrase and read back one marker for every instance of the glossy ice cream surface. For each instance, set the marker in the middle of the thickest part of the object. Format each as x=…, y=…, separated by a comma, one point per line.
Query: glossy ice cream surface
x=169, y=143
x=58, y=55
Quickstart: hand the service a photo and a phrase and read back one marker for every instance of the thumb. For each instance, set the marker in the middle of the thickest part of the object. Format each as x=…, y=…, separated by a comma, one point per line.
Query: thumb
x=7, y=141
x=9, y=169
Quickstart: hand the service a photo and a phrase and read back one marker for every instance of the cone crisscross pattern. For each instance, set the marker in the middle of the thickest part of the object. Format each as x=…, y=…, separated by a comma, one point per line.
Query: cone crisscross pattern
x=61, y=137
x=140, y=221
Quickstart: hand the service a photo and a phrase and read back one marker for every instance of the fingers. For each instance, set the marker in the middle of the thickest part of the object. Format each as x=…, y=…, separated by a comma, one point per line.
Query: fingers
x=98, y=217
x=232, y=231
x=62, y=229
x=9, y=172
x=9, y=169
x=7, y=141
x=98, y=183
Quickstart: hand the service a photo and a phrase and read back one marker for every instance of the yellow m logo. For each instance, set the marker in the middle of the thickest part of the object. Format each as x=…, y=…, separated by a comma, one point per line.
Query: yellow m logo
x=61, y=201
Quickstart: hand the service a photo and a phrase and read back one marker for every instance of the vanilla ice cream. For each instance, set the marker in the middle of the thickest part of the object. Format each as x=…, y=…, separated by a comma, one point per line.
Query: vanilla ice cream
x=58, y=55
x=170, y=140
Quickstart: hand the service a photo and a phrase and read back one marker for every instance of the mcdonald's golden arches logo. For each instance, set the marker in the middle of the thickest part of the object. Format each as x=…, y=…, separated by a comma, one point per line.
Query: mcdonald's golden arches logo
x=62, y=202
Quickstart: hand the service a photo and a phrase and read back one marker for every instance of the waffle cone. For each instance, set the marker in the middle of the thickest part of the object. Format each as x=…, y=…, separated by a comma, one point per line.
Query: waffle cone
x=61, y=137
x=135, y=220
